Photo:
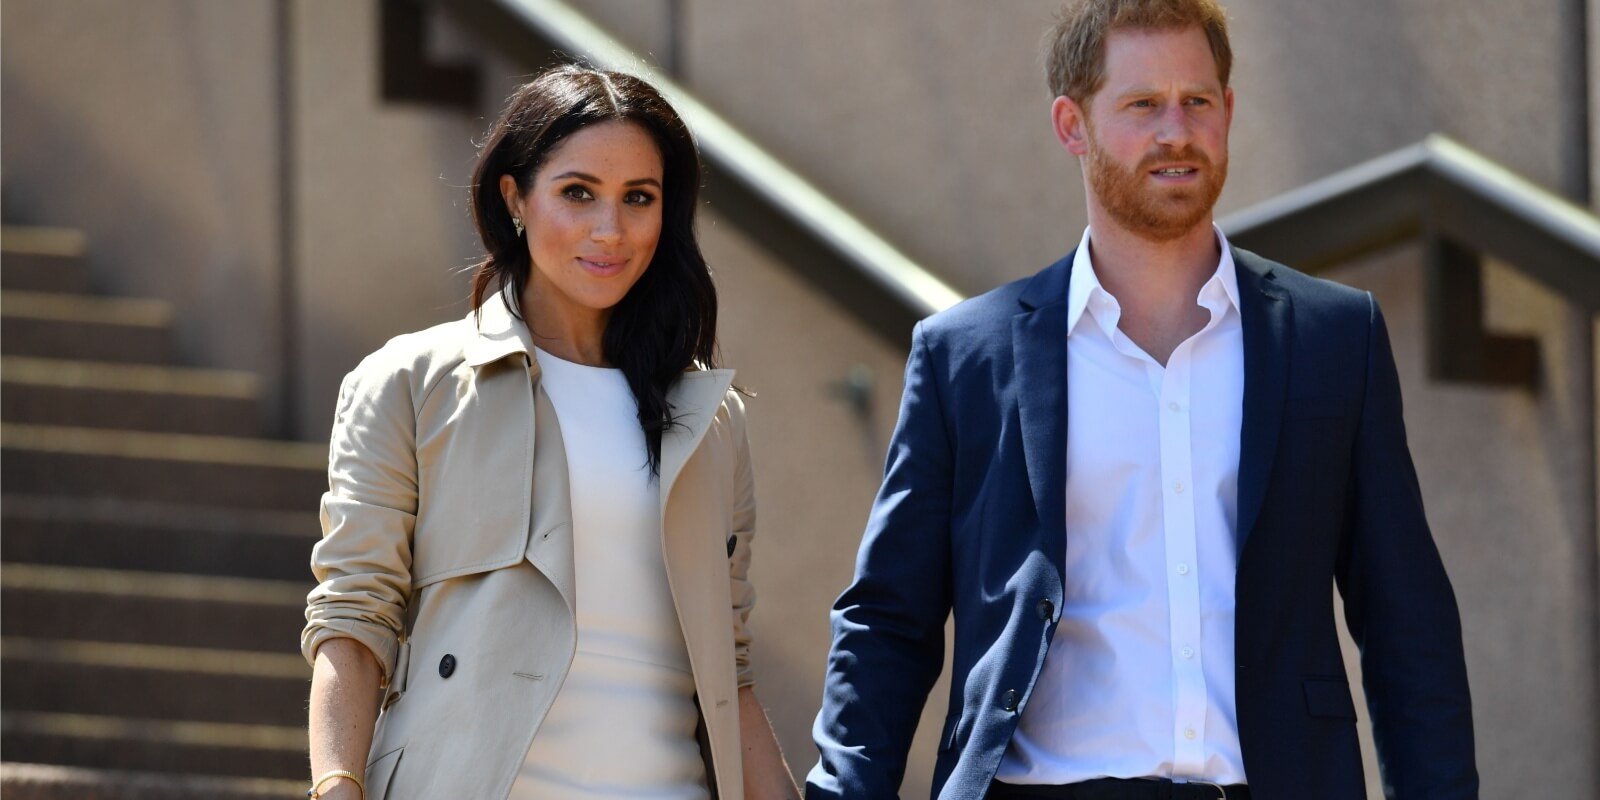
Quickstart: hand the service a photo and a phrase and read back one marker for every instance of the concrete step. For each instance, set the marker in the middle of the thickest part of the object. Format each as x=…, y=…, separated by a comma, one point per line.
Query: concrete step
x=78, y=326
x=157, y=537
x=94, y=394
x=35, y=259
x=51, y=782
x=162, y=467
x=102, y=605
x=153, y=682
x=115, y=743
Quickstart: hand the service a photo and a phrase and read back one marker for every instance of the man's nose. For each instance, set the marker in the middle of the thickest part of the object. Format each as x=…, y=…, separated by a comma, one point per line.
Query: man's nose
x=1174, y=130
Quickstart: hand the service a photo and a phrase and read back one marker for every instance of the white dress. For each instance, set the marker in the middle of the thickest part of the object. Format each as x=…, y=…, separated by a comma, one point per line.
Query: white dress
x=623, y=723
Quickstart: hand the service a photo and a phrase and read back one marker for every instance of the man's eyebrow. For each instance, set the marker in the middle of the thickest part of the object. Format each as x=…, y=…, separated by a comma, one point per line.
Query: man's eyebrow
x=1147, y=91
x=584, y=176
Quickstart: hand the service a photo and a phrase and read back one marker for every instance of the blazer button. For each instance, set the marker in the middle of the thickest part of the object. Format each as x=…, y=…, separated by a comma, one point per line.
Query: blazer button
x=447, y=666
x=1047, y=609
x=1008, y=701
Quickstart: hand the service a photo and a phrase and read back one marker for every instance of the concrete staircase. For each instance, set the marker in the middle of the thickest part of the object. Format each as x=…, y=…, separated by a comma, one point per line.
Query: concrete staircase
x=153, y=563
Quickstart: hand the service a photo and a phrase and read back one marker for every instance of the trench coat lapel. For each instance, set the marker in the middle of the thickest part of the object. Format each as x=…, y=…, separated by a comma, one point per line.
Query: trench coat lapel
x=694, y=399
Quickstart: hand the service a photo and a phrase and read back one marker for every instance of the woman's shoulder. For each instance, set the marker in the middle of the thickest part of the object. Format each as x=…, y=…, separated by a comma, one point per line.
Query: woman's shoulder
x=415, y=360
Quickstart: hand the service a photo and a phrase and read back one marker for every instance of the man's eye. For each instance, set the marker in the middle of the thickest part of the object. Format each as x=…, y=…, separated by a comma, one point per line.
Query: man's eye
x=1199, y=101
x=1143, y=104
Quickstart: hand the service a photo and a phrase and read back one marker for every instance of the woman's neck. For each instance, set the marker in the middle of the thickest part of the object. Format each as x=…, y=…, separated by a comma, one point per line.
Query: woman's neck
x=563, y=328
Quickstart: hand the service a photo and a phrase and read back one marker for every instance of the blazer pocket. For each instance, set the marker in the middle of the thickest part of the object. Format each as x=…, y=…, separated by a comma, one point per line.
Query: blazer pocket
x=380, y=772
x=1315, y=407
x=1329, y=697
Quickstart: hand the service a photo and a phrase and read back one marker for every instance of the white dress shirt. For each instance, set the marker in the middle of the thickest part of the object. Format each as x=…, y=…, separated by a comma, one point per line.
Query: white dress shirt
x=1139, y=680
x=623, y=725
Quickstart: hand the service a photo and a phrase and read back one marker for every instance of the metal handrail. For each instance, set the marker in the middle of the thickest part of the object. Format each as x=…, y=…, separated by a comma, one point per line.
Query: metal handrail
x=887, y=288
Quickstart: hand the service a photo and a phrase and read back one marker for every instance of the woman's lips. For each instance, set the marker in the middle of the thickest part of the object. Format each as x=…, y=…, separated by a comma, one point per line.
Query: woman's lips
x=603, y=267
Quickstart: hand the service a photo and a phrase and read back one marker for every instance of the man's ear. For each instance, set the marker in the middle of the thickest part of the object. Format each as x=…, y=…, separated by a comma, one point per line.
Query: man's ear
x=1071, y=125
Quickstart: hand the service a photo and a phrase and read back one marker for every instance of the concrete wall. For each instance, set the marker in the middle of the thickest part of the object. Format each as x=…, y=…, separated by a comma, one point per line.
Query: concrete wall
x=930, y=118
x=150, y=126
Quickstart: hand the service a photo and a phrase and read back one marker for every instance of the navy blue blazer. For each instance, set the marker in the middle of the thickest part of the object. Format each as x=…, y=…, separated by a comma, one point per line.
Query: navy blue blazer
x=971, y=520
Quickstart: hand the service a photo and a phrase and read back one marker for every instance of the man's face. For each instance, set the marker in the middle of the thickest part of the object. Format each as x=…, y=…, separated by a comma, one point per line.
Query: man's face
x=1156, y=133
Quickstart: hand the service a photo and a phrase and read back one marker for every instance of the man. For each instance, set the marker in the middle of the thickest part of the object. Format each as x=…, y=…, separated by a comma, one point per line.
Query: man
x=1134, y=479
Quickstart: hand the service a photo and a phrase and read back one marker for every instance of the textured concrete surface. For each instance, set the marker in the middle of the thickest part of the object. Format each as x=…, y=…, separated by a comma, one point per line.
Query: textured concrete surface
x=150, y=127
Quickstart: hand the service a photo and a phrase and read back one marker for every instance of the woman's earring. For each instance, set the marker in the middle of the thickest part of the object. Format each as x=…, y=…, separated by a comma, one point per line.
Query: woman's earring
x=517, y=222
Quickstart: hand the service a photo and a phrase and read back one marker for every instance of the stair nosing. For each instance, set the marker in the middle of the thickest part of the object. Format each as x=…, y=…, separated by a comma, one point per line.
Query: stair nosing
x=189, y=732
x=60, y=774
x=158, y=446
x=223, y=520
x=112, y=376
x=85, y=308
x=160, y=658
x=156, y=585
x=43, y=240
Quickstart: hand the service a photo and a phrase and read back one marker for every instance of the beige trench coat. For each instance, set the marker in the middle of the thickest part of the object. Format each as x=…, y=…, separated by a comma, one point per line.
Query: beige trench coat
x=447, y=551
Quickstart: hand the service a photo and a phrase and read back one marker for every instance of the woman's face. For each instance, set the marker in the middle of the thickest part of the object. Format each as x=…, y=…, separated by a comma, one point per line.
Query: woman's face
x=593, y=217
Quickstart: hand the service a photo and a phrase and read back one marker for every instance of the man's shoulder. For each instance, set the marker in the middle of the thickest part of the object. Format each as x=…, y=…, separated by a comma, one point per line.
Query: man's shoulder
x=1315, y=298
x=989, y=315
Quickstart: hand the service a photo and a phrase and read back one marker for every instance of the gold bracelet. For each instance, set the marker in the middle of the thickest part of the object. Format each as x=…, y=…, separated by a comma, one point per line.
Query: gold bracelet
x=316, y=789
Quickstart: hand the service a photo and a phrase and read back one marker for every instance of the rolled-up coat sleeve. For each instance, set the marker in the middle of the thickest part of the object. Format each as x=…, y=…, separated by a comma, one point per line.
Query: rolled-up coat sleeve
x=363, y=563
x=744, y=530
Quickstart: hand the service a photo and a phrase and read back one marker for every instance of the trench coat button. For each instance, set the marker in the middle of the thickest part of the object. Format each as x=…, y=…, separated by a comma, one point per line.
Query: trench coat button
x=447, y=666
x=1047, y=609
x=1008, y=701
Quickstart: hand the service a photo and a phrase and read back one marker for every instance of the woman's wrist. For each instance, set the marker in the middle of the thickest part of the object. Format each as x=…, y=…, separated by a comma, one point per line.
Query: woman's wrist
x=337, y=785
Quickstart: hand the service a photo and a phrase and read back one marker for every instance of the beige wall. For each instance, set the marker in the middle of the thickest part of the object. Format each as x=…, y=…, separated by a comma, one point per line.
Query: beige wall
x=817, y=469
x=929, y=118
x=150, y=126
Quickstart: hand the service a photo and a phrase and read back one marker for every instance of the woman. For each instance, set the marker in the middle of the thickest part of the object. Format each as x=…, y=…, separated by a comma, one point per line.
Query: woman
x=537, y=529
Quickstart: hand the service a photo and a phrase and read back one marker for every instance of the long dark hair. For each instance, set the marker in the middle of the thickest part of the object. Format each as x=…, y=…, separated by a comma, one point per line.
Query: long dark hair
x=667, y=323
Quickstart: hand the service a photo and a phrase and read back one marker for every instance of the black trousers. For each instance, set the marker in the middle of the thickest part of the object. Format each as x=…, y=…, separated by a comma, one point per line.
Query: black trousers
x=1119, y=789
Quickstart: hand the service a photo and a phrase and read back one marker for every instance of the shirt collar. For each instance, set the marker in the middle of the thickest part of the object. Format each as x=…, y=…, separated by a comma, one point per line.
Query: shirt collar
x=1083, y=288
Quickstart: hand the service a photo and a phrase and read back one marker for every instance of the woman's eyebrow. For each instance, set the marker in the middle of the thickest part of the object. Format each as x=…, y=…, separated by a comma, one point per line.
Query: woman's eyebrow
x=584, y=176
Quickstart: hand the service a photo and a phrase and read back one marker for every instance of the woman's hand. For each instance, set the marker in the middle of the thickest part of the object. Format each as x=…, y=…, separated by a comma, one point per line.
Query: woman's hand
x=766, y=775
x=344, y=710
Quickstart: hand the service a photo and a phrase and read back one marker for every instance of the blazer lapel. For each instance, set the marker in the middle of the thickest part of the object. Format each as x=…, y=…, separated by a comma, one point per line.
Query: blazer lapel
x=1039, y=379
x=1267, y=317
x=695, y=399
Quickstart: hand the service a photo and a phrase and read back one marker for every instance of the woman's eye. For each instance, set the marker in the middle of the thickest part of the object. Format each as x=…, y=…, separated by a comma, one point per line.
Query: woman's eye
x=576, y=192
x=640, y=198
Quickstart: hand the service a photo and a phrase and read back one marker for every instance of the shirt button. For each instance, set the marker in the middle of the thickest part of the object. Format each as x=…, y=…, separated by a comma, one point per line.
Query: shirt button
x=1046, y=609
x=1178, y=487
x=1183, y=569
x=1188, y=652
x=1008, y=701
x=447, y=666
x=1174, y=407
x=1188, y=733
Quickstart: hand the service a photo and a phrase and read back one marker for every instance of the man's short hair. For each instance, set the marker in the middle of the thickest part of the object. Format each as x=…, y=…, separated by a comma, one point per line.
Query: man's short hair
x=1075, y=47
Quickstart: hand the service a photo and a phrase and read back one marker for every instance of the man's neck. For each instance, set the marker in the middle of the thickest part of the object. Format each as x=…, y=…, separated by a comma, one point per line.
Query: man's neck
x=1148, y=273
x=1156, y=283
